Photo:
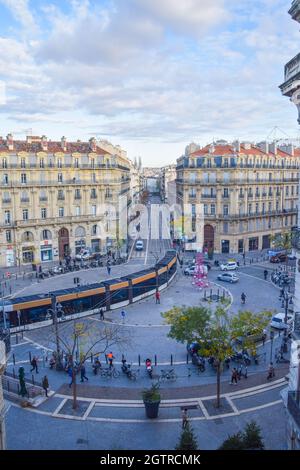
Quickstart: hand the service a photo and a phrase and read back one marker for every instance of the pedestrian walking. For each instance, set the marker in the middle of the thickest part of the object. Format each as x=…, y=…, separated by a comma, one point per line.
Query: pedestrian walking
x=110, y=358
x=82, y=373
x=234, y=376
x=45, y=384
x=185, y=418
x=266, y=274
x=34, y=364
x=101, y=313
x=157, y=297
x=271, y=371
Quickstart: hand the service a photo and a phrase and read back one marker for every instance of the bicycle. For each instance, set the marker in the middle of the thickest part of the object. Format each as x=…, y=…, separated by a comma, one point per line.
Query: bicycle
x=168, y=374
x=110, y=373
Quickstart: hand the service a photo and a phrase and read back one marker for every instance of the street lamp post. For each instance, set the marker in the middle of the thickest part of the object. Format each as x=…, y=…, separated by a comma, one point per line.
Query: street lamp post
x=285, y=334
x=59, y=365
x=272, y=339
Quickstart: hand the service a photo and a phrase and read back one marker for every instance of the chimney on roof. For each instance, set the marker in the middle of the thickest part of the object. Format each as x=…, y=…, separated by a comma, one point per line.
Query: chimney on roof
x=288, y=148
x=64, y=143
x=10, y=142
x=273, y=147
x=236, y=146
x=264, y=146
x=44, y=143
x=93, y=144
x=247, y=145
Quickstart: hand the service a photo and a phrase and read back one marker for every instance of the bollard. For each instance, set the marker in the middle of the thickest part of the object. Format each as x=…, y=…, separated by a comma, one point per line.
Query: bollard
x=14, y=359
x=139, y=361
x=205, y=298
x=223, y=294
x=32, y=379
x=210, y=294
x=155, y=360
x=218, y=295
x=30, y=357
x=17, y=339
x=187, y=358
x=171, y=359
x=14, y=373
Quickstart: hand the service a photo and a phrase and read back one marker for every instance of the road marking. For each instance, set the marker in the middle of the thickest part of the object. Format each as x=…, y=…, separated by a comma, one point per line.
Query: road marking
x=60, y=406
x=90, y=407
x=260, y=407
x=38, y=345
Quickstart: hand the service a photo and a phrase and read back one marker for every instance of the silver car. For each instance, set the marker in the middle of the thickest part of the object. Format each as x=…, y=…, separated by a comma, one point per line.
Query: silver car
x=228, y=277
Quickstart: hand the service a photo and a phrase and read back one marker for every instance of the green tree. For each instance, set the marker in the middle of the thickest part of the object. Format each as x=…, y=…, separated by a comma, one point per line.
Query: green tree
x=248, y=326
x=187, y=440
x=215, y=331
x=249, y=439
x=252, y=437
x=283, y=241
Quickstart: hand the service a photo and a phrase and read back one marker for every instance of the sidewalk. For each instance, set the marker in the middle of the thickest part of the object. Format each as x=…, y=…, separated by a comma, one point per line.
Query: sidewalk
x=113, y=393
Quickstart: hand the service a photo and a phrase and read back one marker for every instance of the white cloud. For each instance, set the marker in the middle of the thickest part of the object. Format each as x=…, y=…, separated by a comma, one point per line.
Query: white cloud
x=21, y=10
x=152, y=71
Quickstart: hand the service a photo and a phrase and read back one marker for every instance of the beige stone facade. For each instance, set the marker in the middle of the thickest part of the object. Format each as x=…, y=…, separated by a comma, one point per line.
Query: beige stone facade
x=247, y=192
x=59, y=197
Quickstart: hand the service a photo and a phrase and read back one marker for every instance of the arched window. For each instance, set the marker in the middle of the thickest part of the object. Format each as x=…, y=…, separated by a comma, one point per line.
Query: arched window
x=80, y=232
x=27, y=237
x=46, y=235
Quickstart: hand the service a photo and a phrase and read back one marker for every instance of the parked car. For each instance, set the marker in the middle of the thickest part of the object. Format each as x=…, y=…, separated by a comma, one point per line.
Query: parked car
x=229, y=266
x=280, y=258
x=292, y=256
x=193, y=348
x=84, y=255
x=58, y=270
x=228, y=277
x=278, y=321
x=139, y=245
x=189, y=271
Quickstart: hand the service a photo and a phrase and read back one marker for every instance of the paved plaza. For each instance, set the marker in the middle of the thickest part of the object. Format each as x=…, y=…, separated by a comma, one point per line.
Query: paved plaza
x=111, y=410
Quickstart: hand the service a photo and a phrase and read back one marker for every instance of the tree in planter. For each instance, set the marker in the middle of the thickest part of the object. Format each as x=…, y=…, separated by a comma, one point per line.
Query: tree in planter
x=250, y=439
x=213, y=330
x=79, y=342
x=187, y=440
x=249, y=326
x=282, y=241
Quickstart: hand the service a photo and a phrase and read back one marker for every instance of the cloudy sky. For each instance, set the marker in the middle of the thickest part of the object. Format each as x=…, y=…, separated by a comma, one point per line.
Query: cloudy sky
x=150, y=75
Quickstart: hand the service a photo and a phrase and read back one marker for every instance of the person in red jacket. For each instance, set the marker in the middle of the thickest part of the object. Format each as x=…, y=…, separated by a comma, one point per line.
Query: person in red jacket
x=157, y=297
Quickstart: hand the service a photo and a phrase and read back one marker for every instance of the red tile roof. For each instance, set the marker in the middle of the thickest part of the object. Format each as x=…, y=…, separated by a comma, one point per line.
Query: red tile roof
x=228, y=149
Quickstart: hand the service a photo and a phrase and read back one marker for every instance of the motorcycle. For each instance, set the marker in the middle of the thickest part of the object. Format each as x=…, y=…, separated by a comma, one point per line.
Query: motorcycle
x=126, y=368
x=149, y=368
x=96, y=366
x=199, y=362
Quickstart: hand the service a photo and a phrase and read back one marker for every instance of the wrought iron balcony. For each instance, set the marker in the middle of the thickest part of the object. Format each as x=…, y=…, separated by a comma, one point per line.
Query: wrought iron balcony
x=293, y=406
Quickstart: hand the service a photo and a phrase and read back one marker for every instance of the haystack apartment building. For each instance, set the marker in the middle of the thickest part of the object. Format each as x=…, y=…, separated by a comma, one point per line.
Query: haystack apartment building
x=248, y=193
x=52, y=196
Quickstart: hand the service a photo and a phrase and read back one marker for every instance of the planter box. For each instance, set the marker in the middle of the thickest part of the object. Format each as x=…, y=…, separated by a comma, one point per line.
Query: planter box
x=151, y=408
